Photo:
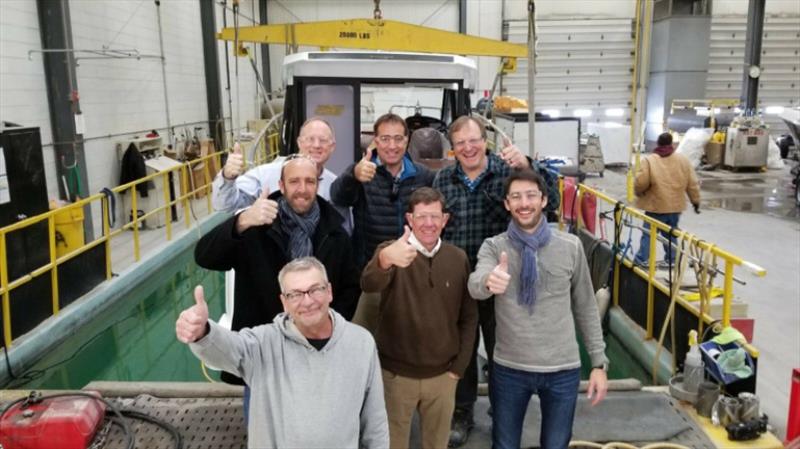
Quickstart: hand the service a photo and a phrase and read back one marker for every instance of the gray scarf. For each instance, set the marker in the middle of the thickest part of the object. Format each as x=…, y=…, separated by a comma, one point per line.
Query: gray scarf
x=527, y=244
x=299, y=228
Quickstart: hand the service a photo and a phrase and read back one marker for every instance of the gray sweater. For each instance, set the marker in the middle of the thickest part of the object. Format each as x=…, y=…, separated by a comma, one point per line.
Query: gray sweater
x=544, y=341
x=302, y=397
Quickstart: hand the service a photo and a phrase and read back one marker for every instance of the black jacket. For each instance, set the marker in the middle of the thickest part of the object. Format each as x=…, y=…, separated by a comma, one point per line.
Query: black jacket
x=260, y=253
x=378, y=206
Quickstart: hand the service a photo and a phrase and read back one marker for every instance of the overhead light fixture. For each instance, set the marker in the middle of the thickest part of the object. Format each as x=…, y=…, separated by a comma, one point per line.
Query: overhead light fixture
x=774, y=110
x=582, y=112
x=554, y=113
x=615, y=112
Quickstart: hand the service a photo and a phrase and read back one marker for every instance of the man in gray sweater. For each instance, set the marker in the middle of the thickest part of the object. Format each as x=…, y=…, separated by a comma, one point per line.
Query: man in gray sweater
x=542, y=289
x=315, y=378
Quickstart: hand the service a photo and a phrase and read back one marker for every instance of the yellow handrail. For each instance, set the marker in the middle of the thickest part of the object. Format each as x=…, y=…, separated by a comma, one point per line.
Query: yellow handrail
x=730, y=261
x=184, y=170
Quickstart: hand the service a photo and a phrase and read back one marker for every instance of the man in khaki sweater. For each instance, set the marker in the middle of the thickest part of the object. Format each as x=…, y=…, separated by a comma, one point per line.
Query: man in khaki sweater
x=663, y=179
x=427, y=321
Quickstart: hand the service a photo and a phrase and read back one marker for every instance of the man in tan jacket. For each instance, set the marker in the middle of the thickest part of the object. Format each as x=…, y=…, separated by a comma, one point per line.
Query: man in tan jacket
x=661, y=182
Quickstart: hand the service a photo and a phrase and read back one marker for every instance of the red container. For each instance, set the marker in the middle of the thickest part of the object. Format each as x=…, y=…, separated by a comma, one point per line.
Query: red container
x=588, y=205
x=63, y=422
x=793, y=423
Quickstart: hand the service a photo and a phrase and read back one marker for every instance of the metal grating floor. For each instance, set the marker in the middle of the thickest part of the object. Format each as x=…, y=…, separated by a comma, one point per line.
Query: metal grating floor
x=207, y=423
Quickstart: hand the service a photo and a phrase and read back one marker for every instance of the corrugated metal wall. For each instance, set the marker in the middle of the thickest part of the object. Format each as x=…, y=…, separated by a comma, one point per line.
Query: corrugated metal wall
x=780, y=61
x=581, y=64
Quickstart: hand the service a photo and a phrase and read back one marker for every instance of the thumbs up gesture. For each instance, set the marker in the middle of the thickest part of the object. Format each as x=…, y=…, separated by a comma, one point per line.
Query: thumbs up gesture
x=497, y=282
x=191, y=324
x=512, y=155
x=234, y=166
x=262, y=212
x=364, y=171
x=399, y=253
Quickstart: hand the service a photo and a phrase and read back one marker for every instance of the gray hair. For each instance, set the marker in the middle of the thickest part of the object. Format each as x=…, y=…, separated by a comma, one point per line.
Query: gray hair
x=302, y=264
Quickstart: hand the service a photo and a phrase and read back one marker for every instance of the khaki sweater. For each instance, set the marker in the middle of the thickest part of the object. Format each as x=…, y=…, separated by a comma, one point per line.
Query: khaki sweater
x=662, y=182
x=427, y=318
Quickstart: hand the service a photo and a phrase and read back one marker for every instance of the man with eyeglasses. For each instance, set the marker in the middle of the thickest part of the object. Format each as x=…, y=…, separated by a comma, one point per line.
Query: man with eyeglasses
x=542, y=290
x=258, y=241
x=427, y=321
x=234, y=188
x=378, y=186
x=316, y=378
x=473, y=191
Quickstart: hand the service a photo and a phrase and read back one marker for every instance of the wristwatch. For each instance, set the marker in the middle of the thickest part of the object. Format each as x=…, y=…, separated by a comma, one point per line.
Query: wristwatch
x=603, y=367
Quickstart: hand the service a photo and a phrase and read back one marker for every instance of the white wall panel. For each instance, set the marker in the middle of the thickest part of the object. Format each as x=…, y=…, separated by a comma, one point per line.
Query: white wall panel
x=23, y=92
x=581, y=64
x=551, y=9
x=739, y=7
x=779, y=83
x=122, y=98
x=240, y=100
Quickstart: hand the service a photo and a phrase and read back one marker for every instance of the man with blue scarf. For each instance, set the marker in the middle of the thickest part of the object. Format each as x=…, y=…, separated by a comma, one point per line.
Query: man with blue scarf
x=542, y=288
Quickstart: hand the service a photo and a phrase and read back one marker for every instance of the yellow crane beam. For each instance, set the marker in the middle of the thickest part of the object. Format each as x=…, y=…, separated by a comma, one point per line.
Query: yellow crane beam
x=376, y=34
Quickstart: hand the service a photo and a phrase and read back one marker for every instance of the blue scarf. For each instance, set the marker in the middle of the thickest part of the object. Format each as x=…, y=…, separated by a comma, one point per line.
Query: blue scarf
x=299, y=228
x=527, y=244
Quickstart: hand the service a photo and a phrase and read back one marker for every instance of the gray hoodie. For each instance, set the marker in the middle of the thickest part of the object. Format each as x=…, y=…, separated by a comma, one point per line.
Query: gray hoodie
x=302, y=397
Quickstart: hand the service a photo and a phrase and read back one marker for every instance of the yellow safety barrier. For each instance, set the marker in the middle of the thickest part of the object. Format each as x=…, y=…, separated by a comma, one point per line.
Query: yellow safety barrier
x=187, y=191
x=681, y=238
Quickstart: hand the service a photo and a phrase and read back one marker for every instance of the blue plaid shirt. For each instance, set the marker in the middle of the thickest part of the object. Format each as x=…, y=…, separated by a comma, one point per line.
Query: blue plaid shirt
x=476, y=207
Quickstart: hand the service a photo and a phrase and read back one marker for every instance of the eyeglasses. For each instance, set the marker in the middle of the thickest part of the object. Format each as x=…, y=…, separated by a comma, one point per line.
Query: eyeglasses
x=398, y=139
x=324, y=141
x=470, y=142
x=295, y=156
x=316, y=292
x=425, y=217
x=530, y=195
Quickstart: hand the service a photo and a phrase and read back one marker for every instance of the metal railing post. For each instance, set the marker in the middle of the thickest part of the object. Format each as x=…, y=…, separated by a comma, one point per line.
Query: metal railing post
x=168, y=210
x=6, y=297
x=51, y=232
x=135, y=215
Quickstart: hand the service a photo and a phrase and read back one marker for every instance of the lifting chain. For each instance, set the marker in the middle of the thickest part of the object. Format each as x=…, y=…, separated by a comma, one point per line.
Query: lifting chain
x=377, y=14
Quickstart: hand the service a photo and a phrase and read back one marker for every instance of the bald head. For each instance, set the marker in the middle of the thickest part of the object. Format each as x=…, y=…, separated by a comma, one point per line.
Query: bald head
x=316, y=140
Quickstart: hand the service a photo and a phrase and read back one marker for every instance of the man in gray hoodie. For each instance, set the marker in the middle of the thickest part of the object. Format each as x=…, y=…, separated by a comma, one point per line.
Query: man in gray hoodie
x=315, y=379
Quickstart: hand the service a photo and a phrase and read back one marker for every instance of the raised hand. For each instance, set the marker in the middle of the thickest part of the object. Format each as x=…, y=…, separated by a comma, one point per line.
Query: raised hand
x=364, y=171
x=191, y=324
x=399, y=253
x=512, y=155
x=234, y=166
x=262, y=212
x=497, y=282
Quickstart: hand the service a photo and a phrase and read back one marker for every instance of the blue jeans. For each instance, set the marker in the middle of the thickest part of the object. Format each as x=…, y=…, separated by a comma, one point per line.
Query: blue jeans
x=643, y=255
x=511, y=391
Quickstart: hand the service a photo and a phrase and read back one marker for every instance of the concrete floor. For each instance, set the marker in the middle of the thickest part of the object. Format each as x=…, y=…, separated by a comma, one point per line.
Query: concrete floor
x=753, y=215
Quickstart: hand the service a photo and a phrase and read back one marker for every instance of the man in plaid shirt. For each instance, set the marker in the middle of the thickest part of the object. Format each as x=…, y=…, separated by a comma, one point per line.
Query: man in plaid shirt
x=473, y=189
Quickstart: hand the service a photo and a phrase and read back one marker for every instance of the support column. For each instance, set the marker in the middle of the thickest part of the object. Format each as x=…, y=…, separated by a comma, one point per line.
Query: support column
x=216, y=124
x=55, y=28
x=752, y=55
x=266, y=76
x=462, y=16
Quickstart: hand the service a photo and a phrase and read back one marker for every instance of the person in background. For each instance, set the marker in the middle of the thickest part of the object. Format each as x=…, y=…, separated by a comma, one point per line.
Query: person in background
x=427, y=321
x=234, y=188
x=542, y=290
x=661, y=183
x=316, y=378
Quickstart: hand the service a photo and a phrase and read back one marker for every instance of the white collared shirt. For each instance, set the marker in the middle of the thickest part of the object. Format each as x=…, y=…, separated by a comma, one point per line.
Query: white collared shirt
x=419, y=247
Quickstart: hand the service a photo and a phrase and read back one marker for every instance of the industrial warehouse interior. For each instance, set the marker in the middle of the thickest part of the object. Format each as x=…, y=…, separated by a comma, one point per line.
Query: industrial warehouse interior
x=140, y=138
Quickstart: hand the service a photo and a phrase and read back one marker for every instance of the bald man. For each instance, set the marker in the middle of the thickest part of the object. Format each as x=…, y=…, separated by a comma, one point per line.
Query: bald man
x=234, y=189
